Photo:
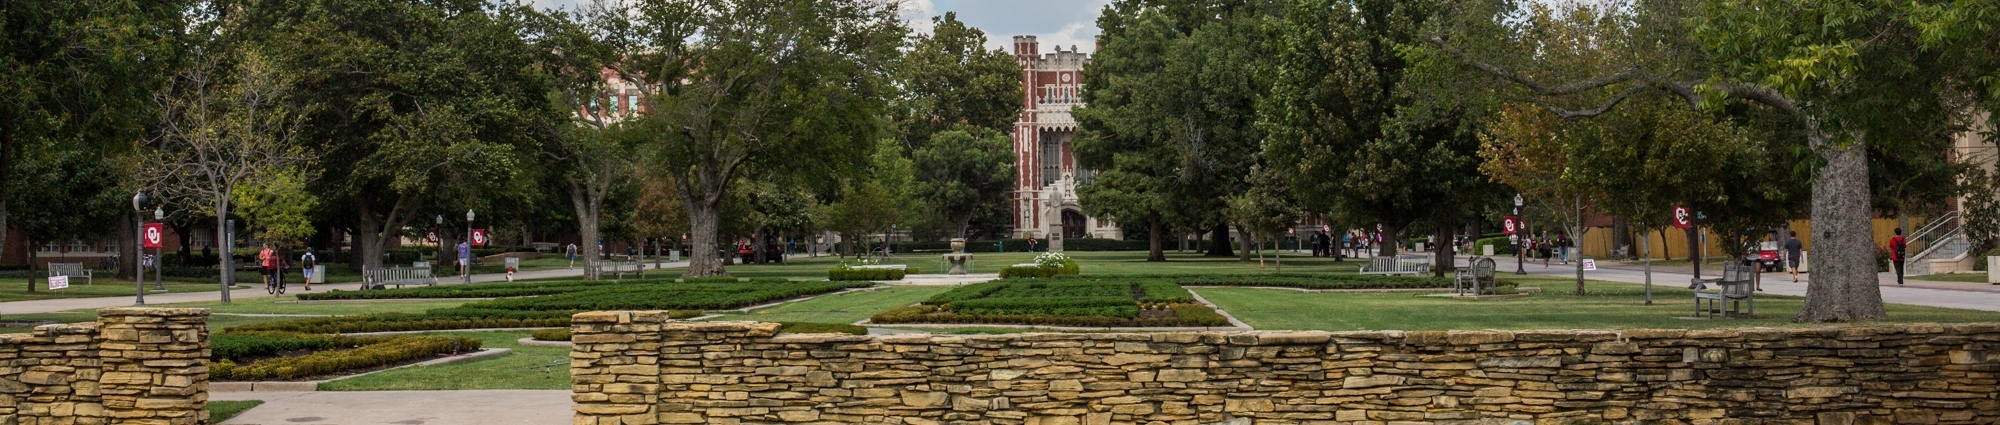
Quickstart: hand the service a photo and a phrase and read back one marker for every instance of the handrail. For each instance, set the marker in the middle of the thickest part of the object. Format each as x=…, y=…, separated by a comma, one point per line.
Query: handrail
x=1927, y=237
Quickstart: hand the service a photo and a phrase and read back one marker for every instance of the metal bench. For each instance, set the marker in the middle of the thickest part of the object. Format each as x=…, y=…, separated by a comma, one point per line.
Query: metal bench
x=1391, y=266
x=399, y=276
x=1735, y=290
x=1478, y=280
x=73, y=270
x=621, y=267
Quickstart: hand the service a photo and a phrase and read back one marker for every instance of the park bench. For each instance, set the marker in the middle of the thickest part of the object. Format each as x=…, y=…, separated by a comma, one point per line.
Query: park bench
x=1735, y=289
x=1478, y=280
x=73, y=270
x=621, y=267
x=544, y=247
x=1399, y=265
x=383, y=277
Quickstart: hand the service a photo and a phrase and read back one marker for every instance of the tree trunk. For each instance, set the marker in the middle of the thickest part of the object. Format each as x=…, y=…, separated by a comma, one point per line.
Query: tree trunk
x=1666, y=252
x=1218, y=242
x=1156, y=229
x=31, y=264
x=757, y=245
x=1694, y=248
x=703, y=221
x=1647, y=246
x=370, y=241
x=1844, y=286
x=1248, y=241
x=1390, y=234
x=224, y=243
x=128, y=251
x=589, y=207
x=1444, y=255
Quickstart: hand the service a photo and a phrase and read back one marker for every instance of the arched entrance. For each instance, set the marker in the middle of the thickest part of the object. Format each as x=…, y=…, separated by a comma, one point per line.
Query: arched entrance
x=1072, y=224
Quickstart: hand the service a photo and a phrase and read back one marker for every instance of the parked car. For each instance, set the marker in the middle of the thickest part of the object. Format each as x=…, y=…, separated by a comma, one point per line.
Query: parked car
x=1766, y=257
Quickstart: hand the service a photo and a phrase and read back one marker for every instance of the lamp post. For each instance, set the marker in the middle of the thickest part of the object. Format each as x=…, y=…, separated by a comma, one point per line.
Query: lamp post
x=439, y=242
x=1520, y=246
x=139, y=268
x=466, y=266
x=159, y=215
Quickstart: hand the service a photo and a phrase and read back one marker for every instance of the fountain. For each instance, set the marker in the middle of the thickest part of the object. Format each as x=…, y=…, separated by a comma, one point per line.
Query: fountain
x=957, y=257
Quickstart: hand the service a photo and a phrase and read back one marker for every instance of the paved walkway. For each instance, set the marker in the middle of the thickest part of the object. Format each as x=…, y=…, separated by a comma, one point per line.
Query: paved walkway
x=486, y=407
x=1974, y=296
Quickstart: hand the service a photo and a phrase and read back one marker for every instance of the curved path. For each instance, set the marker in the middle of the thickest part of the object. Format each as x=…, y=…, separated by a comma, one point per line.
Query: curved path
x=474, y=407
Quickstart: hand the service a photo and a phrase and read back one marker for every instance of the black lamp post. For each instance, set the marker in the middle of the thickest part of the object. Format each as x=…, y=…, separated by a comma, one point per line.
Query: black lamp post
x=138, y=267
x=1520, y=243
x=159, y=215
x=467, y=267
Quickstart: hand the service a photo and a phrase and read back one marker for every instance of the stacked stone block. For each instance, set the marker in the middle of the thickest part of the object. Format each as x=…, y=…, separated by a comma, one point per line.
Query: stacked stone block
x=633, y=368
x=133, y=366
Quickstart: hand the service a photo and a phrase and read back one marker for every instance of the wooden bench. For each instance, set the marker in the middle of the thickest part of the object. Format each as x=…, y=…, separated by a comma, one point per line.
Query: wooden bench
x=1392, y=266
x=1736, y=289
x=383, y=277
x=73, y=270
x=621, y=267
x=1478, y=280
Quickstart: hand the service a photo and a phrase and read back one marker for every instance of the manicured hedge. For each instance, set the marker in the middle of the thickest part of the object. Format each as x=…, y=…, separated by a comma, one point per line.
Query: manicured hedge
x=323, y=363
x=820, y=328
x=1021, y=245
x=1333, y=281
x=484, y=290
x=397, y=322
x=551, y=335
x=844, y=273
x=245, y=345
x=681, y=296
x=1069, y=301
x=1016, y=272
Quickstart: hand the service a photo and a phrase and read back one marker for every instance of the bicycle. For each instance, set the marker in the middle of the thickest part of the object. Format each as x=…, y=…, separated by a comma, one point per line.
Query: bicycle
x=274, y=284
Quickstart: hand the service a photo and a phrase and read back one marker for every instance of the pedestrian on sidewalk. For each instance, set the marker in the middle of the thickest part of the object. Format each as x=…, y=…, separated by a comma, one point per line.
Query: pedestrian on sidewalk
x=465, y=260
x=267, y=264
x=1793, y=250
x=571, y=251
x=1896, y=245
x=306, y=264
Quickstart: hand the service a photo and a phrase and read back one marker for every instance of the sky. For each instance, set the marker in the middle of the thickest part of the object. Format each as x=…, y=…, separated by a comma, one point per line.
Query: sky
x=1053, y=22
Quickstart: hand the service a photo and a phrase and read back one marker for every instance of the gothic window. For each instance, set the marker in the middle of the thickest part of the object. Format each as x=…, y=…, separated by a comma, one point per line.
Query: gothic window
x=1051, y=159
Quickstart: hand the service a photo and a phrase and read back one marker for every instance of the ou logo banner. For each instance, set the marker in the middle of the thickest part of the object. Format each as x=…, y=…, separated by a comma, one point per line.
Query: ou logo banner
x=1510, y=224
x=152, y=236
x=478, y=237
x=1681, y=218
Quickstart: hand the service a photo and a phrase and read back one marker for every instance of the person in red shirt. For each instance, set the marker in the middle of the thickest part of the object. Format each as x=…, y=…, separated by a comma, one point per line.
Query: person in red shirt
x=1896, y=245
x=268, y=259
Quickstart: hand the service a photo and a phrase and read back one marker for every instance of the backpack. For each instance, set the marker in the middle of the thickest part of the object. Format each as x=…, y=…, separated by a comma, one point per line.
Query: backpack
x=1897, y=245
x=309, y=261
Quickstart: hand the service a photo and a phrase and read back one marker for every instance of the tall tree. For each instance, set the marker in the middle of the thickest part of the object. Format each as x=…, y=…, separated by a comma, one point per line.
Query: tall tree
x=777, y=86
x=1171, y=104
x=950, y=79
x=79, y=72
x=227, y=124
x=960, y=172
x=415, y=107
x=1267, y=210
x=1849, y=74
x=595, y=158
x=63, y=192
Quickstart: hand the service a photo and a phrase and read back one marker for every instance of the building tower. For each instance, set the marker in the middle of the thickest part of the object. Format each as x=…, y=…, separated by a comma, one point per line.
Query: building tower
x=1045, y=201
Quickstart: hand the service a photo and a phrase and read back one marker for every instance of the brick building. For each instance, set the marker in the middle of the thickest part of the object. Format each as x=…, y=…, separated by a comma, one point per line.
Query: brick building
x=1045, y=201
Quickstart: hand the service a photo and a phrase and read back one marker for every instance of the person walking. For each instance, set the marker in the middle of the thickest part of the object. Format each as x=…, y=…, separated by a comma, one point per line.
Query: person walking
x=1793, y=251
x=571, y=251
x=306, y=264
x=465, y=260
x=1896, y=245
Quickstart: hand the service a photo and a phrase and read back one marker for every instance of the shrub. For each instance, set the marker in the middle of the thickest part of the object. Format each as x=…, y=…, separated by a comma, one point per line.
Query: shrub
x=240, y=346
x=845, y=272
x=688, y=296
x=820, y=328
x=551, y=335
x=1064, y=301
x=1018, y=272
x=322, y=363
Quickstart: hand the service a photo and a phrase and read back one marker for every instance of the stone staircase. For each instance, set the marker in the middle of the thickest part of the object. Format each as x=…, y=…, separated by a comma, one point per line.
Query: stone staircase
x=1945, y=256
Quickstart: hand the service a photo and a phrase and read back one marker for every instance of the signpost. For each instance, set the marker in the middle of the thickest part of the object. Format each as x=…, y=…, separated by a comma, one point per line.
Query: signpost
x=1589, y=265
x=58, y=282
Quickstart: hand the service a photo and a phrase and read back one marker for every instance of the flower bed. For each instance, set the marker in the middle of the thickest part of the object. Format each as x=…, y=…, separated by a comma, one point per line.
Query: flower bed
x=1049, y=264
x=1106, y=302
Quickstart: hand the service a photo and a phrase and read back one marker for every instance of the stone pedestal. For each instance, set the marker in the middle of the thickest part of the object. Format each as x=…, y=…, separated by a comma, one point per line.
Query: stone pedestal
x=957, y=258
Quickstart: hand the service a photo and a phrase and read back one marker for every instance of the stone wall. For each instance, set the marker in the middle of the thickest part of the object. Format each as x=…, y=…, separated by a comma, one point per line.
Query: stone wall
x=132, y=366
x=636, y=368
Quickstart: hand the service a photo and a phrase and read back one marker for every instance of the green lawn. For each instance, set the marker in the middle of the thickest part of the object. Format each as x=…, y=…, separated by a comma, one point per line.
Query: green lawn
x=219, y=411
x=841, y=308
x=17, y=289
x=1978, y=277
x=1606, y=306
x=527, y=368
x=219, y=322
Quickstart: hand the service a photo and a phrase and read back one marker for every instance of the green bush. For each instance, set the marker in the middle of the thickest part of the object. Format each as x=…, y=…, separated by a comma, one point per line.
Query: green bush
x=324, y=363
x=246, y=345
x=1500, y=246
x=484, y=290
x=684, y=296
x=845, y=273
x=820, y=328
x=551, y=335
x=1337, y=281
x=1018, y=272
x=1065, y=301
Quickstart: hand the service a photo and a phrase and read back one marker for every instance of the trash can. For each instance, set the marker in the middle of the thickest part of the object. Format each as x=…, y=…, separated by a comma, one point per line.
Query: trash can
x=1486, y=250
x=1993, y=273
x=319, y=274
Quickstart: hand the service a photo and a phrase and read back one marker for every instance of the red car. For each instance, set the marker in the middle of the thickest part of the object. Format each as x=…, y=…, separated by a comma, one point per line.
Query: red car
x=1766, y=257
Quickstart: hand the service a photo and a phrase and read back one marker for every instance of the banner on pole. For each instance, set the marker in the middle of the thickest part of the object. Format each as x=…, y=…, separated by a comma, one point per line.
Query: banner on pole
x=153, y=234
x=1510, y=224
x=1682, y=219
x=478, y=237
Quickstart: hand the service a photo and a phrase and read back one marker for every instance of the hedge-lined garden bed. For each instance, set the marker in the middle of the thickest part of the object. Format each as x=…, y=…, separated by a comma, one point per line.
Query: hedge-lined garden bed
x=1096, y=302
x=316, y=347
x=1333, y=281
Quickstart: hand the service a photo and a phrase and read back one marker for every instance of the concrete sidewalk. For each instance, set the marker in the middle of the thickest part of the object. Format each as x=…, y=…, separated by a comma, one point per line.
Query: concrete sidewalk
x=1914, y=292
x=472, y=407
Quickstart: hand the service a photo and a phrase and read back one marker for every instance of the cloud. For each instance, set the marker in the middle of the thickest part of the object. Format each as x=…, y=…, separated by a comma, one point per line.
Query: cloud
x=918, y=13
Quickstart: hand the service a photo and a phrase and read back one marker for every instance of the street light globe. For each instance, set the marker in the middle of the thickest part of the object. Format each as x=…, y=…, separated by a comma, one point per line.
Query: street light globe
x=468, y=215
x=160, y=213
x=1518, y=201
x=139, y=201
x=440, y=219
